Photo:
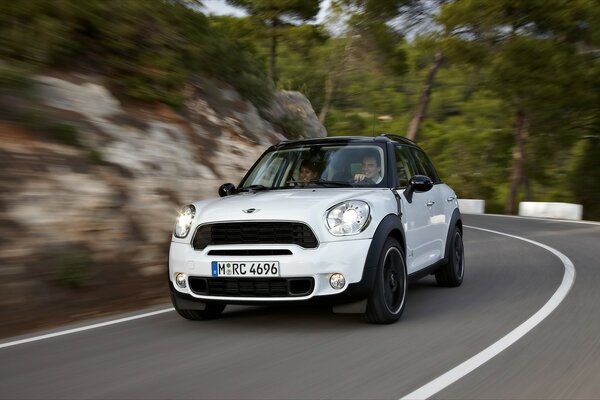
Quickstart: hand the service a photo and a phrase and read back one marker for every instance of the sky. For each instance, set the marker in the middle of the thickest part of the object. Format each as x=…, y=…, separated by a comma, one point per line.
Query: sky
x=220, y=7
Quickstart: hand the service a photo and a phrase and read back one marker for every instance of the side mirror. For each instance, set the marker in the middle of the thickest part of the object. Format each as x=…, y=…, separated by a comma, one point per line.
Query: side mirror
x=227, y=189
x=419, y=184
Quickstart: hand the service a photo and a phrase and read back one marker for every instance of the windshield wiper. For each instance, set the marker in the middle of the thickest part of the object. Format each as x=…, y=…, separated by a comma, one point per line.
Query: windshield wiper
x=324, y=183
x=256, y=188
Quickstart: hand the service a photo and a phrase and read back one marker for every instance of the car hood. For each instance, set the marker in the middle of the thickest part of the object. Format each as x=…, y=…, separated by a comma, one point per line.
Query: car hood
x=308, y=206
x=286, y=205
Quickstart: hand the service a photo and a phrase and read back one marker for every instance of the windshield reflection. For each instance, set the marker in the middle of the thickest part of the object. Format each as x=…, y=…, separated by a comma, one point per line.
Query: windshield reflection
x=338, y=165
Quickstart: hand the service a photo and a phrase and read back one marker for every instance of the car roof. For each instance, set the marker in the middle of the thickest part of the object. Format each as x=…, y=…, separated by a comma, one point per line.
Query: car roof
x=384, y=138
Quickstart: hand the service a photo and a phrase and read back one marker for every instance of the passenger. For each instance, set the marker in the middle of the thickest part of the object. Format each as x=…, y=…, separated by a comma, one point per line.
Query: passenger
x=309, y=171
x=371, y=170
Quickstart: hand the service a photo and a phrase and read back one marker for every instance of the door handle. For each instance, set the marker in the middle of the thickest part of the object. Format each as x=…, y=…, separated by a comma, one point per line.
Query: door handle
x=451, y=198
x=430, y=203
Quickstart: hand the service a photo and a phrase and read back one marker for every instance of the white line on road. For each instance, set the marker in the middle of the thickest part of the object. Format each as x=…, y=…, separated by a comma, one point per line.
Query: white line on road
x=84, y=328
x=570, y=221
x=476, y=361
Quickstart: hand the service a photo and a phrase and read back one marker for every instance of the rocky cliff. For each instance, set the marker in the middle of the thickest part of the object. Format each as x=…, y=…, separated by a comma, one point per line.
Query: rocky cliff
x=91, y=185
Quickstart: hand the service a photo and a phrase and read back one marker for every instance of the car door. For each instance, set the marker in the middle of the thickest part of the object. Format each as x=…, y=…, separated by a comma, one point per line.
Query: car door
x=435, y=202
x=415, y=216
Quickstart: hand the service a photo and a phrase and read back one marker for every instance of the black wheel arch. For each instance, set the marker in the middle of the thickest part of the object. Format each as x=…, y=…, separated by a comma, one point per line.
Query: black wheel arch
x=455, y=222
x=390, y=226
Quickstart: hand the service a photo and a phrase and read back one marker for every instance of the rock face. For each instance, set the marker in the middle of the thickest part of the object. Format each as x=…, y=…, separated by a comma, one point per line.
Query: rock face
x=86, y=225
x=293, y=106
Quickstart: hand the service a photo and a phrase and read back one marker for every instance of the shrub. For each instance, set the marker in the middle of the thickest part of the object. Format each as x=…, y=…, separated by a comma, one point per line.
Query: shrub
x=66, y=134
x=149, y=49
x=15, y=76
x=292, y=127
x=73, y=269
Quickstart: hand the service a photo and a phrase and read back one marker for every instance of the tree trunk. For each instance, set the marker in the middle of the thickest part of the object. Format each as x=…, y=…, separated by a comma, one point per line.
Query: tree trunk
x=521, y=134
x=526, y=185
x=329, y=86
x=272, y=72
x=415, y=123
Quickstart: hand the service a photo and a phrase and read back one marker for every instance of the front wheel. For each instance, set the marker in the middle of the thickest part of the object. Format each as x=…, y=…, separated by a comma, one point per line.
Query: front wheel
x=386, y=303
x=451, y=274
x=211, y=311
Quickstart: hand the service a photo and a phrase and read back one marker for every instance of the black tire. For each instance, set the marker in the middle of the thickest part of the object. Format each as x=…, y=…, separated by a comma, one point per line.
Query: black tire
x=211, y=311
x=386, y=302
x=452, y=273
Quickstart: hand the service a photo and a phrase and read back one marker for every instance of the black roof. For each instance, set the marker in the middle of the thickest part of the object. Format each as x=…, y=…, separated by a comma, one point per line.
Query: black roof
x=385, y=138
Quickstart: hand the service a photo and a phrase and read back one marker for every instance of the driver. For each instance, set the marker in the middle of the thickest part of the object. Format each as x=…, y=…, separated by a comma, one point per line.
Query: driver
x=371, y=170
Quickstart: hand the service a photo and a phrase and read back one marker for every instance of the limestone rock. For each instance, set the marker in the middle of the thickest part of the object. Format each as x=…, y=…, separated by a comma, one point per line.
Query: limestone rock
x=294, y=105
x=89, y=99
x=116, y=211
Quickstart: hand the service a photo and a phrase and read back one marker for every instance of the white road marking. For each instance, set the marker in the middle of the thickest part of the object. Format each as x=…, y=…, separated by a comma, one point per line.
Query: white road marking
x=477, y=360
x=84, y=328
x=570, y=221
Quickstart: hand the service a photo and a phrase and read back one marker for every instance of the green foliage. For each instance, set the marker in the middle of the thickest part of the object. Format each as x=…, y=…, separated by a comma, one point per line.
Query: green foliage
x=300, y=48
x=583, y=180
x=66, y=134
x=532, y=58
x=148, y=48
x=40, y=122
x=347, y=124
x=15, y=76
x=35, y=32
x=292, y=127
x=73, y=269
x=238, y=64
x=95, y=157
x=277, y=14
x=385, y=42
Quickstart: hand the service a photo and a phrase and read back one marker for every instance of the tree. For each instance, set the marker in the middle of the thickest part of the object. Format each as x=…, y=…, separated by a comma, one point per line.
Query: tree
x=421, y=110
x=275, y=14
x=406, y=16
x=422, y=14
x=367, y=30
x=531, y=52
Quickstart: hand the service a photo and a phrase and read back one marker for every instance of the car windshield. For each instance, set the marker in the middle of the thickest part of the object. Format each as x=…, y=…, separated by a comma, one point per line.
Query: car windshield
x=323, y=165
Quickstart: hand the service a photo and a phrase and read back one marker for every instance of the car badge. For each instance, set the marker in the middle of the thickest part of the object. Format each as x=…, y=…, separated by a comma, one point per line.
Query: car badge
x=251, y=210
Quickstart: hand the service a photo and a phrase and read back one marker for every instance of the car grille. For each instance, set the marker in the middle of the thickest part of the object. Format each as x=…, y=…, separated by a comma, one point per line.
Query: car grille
x=250, y=252
x=252, y=287
x=254, y=233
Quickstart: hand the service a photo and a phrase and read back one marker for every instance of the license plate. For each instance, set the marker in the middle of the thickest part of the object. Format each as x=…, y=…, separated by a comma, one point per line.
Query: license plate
x=245, y=268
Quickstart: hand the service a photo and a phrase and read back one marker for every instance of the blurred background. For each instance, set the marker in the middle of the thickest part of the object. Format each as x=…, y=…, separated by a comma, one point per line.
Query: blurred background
x=115, y=113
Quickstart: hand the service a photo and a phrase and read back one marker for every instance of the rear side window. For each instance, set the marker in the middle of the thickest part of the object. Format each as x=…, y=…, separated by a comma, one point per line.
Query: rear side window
x=424, y=165
x=404, y=168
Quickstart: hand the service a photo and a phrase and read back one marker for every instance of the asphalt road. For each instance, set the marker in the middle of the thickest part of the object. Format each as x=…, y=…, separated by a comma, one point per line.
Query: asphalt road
x=308, y=353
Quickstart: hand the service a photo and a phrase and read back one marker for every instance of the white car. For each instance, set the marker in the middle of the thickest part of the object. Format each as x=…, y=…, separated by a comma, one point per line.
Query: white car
x=345, y=221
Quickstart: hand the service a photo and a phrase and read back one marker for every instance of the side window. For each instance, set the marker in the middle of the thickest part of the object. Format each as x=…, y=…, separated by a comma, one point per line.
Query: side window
x=404, y=168
x=424, y=165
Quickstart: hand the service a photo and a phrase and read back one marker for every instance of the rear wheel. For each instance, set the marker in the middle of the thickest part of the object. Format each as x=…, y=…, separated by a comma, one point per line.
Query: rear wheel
x=451, y=274
x=211, y=311
x=386, y=303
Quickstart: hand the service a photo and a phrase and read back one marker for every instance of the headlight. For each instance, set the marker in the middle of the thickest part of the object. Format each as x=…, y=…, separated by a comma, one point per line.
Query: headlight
x=184, y=221
x=348, y=218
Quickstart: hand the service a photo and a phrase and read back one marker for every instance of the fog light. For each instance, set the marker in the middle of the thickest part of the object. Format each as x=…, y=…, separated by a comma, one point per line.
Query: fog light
x=180, y=280
x=337, y=281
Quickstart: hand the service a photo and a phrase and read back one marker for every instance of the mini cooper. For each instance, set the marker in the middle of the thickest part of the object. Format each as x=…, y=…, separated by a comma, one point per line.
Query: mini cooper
x=342, y=221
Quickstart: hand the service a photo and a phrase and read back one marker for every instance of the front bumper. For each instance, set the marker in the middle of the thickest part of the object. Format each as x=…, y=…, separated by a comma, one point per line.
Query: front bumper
x=345, y=256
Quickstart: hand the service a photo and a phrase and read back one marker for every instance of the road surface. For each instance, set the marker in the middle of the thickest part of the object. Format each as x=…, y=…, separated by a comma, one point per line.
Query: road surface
x=308, y=353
